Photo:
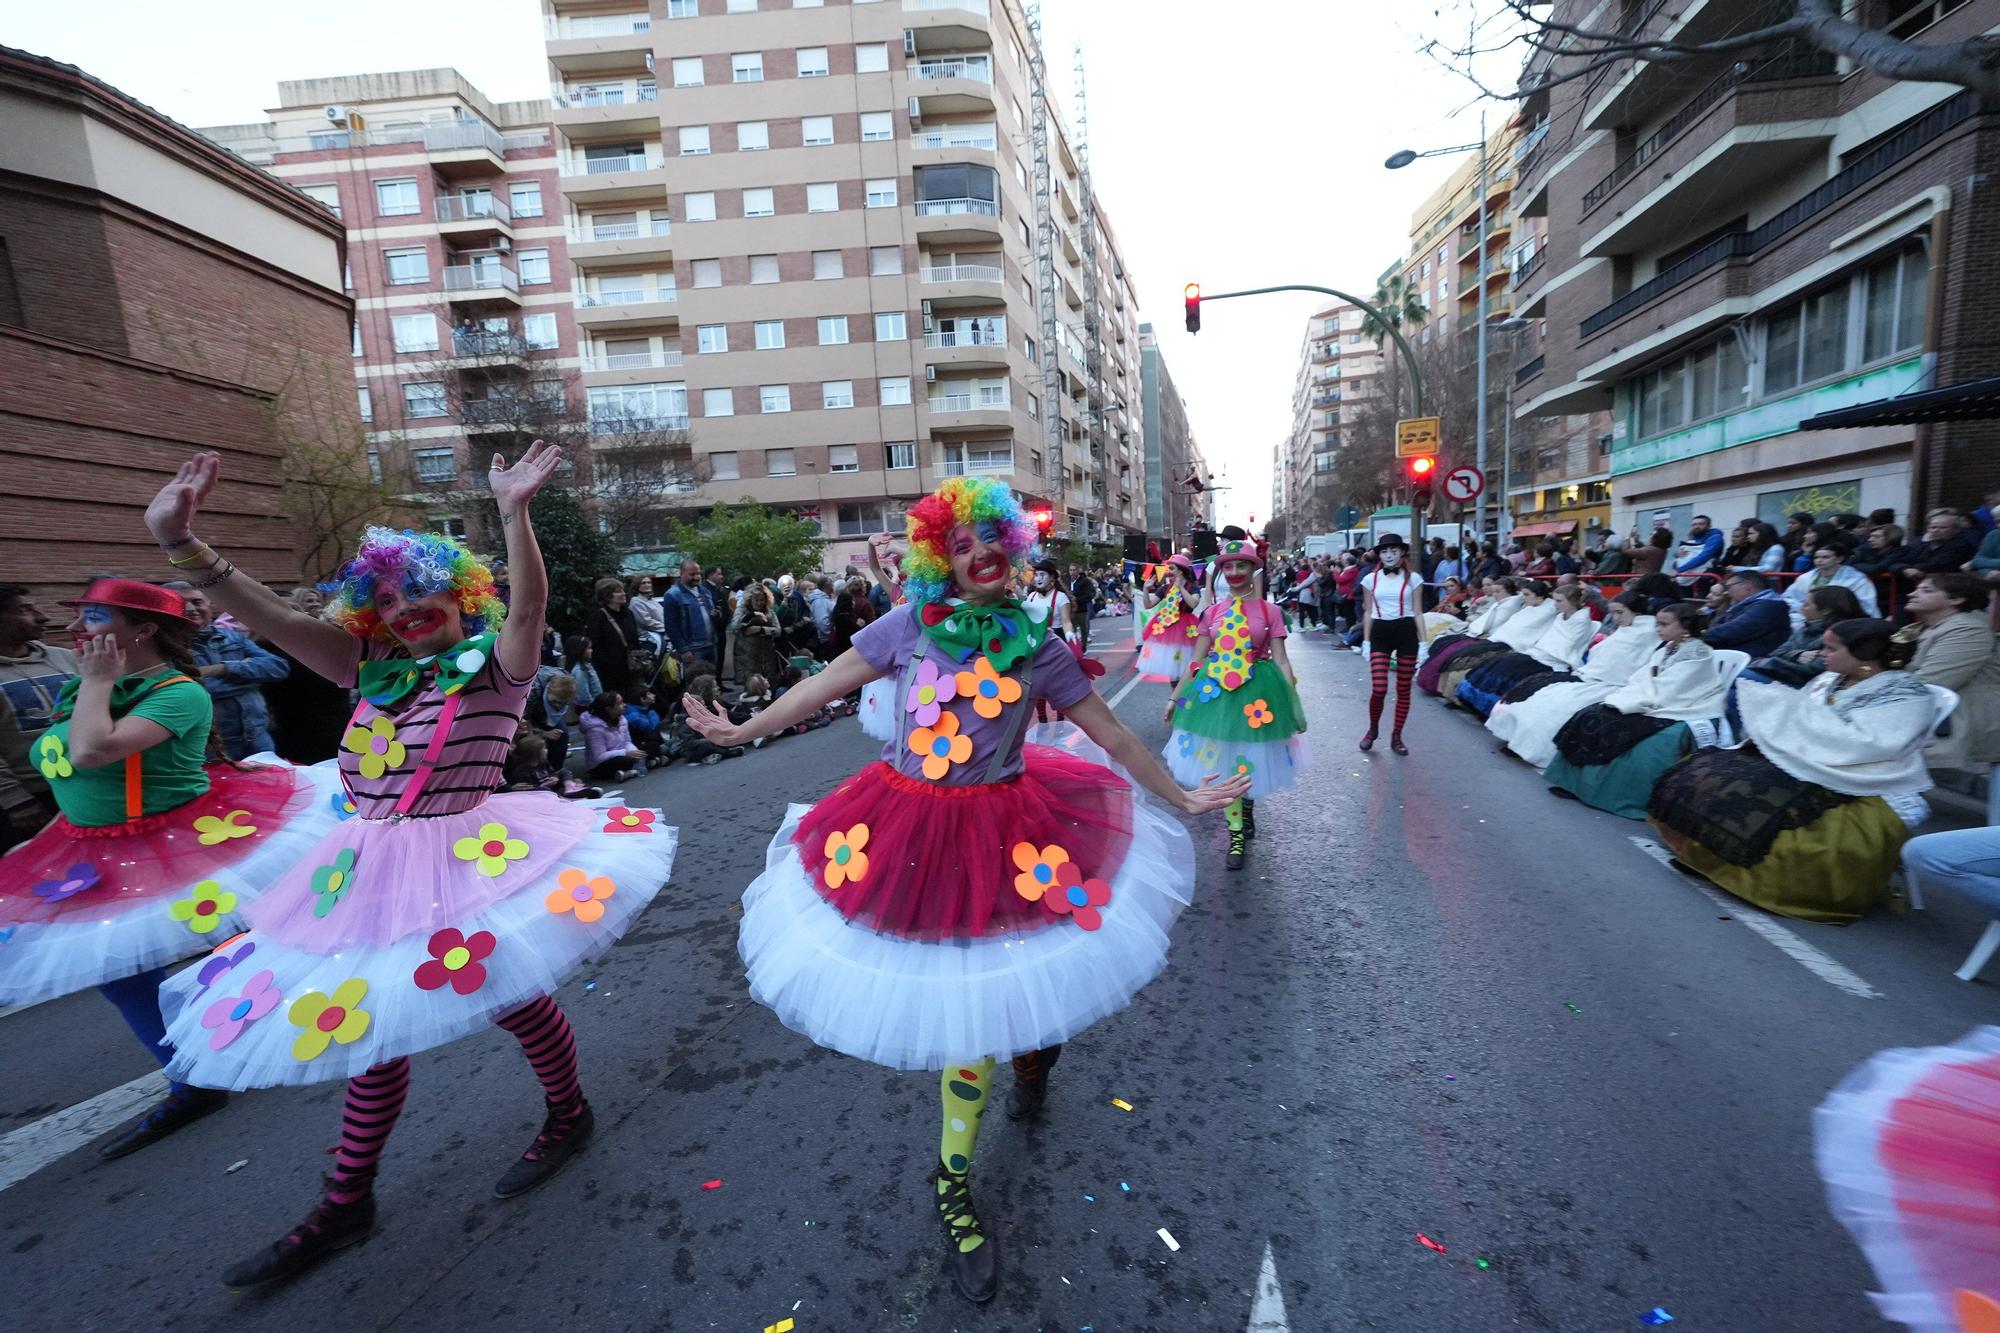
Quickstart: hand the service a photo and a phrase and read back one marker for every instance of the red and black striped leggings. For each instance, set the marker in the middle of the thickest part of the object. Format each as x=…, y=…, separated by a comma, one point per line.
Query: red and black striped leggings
x=375, y=1098
x=1378, y=686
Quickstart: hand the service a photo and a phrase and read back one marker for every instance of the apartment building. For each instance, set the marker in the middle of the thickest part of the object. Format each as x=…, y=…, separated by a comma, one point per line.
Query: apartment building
x=820, y=224
x=157, y=297
x=1340, y=373
x=1173, y=459
x=466, y=338
x=1743, y=247
x=1442, y=265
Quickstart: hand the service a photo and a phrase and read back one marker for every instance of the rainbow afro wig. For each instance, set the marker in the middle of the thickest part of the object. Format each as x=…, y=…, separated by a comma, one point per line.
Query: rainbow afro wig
x=960, y=502
x=425, y=562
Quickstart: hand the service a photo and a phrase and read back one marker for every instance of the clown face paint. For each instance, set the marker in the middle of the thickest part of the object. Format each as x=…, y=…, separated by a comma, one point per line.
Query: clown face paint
x=1240, y=575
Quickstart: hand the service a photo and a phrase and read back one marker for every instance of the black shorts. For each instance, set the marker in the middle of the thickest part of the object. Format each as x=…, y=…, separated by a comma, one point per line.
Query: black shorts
x=1394, y=636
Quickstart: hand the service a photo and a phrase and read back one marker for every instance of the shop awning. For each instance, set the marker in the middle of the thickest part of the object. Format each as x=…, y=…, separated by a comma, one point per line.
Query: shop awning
x=1541, y=529
x=1974, y=400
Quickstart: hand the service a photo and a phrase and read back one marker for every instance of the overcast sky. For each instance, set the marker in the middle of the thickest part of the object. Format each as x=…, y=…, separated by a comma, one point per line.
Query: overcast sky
x=1234, y=145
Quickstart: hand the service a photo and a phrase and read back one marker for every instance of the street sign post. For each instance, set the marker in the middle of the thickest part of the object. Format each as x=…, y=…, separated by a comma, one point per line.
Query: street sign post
x=1417, y=437
x=1462, y=485
x=1346, y=516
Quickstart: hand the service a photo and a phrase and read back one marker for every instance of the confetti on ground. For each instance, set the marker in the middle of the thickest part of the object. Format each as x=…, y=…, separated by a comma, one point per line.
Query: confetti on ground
x=1123, y=1187
x=716, y=1185
x=785, y=1325
x=1657, y=1315
x=1572, y=1008
x=1430, y=1244
x=1066, y=1281
x=1090, y=1198
x=1167, y=1236
x=1482, y=1263
x=590, y=985
x=1451, y=1078
x=1121, y=1103
x=237, y=1166
x=797, y=1303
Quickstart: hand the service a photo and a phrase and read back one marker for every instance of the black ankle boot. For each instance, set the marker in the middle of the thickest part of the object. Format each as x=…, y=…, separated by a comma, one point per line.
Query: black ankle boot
x=975, y=1272
x=183, y=1106
x=328, y=1227
x=1237, y=840
x=1249, y=818
x=1031, y=1082
x=563, y=1134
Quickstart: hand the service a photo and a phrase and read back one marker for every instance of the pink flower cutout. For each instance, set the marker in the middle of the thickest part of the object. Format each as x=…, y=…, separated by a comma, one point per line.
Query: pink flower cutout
x=621, y=819
x=929, y=692
x=71, y=882
x=455, y=961
x=228, y=1016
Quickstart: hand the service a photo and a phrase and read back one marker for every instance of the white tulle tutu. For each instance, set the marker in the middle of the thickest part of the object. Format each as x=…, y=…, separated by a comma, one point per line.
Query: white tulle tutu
x=914, y=1005
x=878, y=709
x=1160, y=660
x=1275, y=766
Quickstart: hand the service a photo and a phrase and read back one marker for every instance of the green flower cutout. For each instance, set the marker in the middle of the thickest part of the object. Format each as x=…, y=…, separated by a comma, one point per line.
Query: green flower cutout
x=1244, y=768
x=53, y=759
x=331, y=882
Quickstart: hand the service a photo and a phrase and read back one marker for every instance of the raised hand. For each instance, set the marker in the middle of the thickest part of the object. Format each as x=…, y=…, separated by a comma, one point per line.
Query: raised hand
x=99, y=659
x=712, y=722
x=513, y=487
x=1214, y=794
x=172, y=511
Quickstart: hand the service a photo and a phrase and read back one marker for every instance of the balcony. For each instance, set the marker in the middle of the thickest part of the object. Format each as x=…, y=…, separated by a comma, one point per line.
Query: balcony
x=598, y=43
x=1629, y=92
x=983, y=346
x=501, y=413
x=594, y=244
x=1528, y=370
x=957, y=136
x=473, y=215
x=950, y=222
x=611, y=177
x=1529, y=267
x=636, y=423
x=951, y=412
x=949, y=25
x=472, y=348
x=953, y=85
x=663, y=359
x=626, y=106
x=482, y=282
x=652, y=303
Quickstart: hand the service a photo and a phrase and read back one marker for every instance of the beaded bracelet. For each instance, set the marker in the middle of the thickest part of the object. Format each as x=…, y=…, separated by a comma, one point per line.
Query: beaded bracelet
x=223, y=571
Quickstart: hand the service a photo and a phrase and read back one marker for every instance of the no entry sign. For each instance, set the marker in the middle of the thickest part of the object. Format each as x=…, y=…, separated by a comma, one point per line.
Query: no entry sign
x=1462, y=485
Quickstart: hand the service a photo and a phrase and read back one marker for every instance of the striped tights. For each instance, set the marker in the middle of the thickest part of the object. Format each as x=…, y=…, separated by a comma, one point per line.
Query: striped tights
x=375, y=1098
x=1378, y=688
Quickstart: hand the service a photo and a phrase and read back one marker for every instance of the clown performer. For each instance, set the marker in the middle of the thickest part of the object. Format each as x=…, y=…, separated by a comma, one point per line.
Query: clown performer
x=1167, y=641
x=1392, y=604
x=1239, y=709
x=437, y=908
x=967, y=897
x=153, y=852
x=878, y=697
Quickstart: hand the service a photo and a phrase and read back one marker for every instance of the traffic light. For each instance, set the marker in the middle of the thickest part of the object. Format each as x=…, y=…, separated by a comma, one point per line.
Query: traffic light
x=1193, y=297
x=1045, y=519
x=1421, y=469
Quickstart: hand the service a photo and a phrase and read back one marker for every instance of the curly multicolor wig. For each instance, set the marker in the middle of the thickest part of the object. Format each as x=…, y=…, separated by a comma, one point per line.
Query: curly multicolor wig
x=428, y=562
x=959, y=502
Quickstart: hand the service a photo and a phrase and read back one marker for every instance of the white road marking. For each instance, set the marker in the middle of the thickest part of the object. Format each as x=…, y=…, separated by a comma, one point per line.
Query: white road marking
x=1268, y=1314
x=1119, y=697
x=1779, y=937
x=32, y=1147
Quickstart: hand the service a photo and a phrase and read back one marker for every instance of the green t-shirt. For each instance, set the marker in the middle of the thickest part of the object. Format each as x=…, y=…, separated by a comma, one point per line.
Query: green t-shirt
x=171, y=772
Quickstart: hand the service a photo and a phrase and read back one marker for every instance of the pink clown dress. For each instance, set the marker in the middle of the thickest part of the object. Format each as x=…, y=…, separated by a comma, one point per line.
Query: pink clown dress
x=966, y=894
x=1166, y=644
x=433, y=908
x=152, y=860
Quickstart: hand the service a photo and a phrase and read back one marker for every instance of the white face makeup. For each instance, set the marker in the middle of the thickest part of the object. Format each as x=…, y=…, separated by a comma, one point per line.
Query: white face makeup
x=1043, y=580
x=1392, y=557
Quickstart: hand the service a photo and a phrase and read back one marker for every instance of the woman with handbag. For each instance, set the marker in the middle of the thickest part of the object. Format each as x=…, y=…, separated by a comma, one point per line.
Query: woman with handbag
x=624, y=662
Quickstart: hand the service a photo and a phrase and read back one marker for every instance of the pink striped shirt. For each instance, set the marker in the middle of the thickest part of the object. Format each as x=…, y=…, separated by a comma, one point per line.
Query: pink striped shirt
x=469, y=769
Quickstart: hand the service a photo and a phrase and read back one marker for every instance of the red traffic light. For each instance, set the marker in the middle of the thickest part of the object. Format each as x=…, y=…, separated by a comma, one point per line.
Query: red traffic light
x=1045, y=518
x=1422, y=467
x=1192, y=296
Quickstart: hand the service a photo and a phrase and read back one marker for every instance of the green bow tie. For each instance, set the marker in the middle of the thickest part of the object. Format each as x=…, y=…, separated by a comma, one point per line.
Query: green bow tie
x=1005, y=632
x=127, y=691
x=387, y=682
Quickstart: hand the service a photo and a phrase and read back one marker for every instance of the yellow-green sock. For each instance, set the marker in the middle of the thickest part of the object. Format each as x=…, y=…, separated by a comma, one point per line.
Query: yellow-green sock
x=1234, y=813
x=963, y=1090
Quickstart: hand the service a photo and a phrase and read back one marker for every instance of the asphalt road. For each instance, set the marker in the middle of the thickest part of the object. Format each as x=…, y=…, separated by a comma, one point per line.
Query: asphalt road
x=1437, y=1001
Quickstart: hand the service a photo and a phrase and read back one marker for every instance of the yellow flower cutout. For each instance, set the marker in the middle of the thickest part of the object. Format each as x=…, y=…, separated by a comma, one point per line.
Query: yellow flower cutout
x=846, y=863
x=1258, y=714
x=941, y=746
x=204, y=911
x=325, y=1019
x=54, y=759
x=491, y=849
x=987, y=688
x=1040, y=867
x=378, y=747
x=211, y=830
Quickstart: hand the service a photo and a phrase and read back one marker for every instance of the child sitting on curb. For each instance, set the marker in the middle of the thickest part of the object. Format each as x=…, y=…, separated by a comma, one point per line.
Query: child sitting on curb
x=694, y=747
x=642, y=716
x=528, y=768
x=609, y=753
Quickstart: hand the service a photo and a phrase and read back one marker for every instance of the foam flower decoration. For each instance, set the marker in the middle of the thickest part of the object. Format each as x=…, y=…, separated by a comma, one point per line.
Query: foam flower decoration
x=1079, y=899
x=846, y=863
x=343, y=805
x=53, y=759
x=1207, y=690
x=325, y=1019
x=620, y=819
x=941, y=746
x=1258, y=714
x=228, y=1016
x=1187, y=745
x=580, y=894
x=930, y=691
x=204, y=910
x=1041, y=869
x=1207, y=754
x=987, y=688
x=457, y=960
x=223, y=960
x=332, y=882
x=1243, y=768
x=77, y=879
x=490, y=849
x=211, y=830
x=378, y=747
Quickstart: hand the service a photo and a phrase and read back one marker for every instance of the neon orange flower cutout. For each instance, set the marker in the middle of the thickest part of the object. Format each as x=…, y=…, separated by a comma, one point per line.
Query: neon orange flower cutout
x=1258, y=714
x=580, y=894
x=846, y=863
x=941, y=746
x=987, y=688
x=1041, y=869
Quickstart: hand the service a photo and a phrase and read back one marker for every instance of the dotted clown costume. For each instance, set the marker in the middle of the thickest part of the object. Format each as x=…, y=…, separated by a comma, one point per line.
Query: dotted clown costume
x=1171, y=628
x=1238, y=712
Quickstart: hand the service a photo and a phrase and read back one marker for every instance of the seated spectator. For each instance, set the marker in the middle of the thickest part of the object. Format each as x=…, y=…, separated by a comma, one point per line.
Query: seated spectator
x=691, y=745
x=528, y=768
x=609, y=752
x=1946, y=546
x=1500, y=599
x=1797, y=659
x=1762, y=550
x=1810, y=817
x=1739, y=554
x=1986, y=560
x=1594, y=600
x=1543, y=563
x=1884, y=550
x=642, y=718
x=1513, y=635
x=1956, y=649
x=577, y=654
x=559, y=713
x=1831, y=567
x=1756, y=621
x=1963, y=861
x=1528, y=719
x=1610, y=754
x=1660, y=590
x=1557, y=650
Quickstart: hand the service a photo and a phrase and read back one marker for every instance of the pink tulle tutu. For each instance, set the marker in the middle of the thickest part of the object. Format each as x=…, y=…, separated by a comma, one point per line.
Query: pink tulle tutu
x=938, y=862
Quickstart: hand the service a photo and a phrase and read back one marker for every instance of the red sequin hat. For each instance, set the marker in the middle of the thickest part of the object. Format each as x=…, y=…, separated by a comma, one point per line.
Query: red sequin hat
x=132, y=595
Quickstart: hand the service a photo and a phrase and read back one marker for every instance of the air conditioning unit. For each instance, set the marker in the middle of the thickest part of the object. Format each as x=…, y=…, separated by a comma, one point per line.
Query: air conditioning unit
x=909, y=41
x=930, y=374
x=927, y=309
x=916, y=113
x=502, y=244
x=336, y=113
x=928, y=324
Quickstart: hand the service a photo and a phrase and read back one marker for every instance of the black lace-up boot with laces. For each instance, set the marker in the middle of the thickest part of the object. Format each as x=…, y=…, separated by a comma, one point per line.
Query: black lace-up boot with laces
x=563, y=1134
x=182, y=1106
x=328, y=1227
x=1031, y=1082
x=975, y=1271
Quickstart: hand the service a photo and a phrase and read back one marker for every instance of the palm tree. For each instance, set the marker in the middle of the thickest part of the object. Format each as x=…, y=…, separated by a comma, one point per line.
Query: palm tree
x=1397, y=305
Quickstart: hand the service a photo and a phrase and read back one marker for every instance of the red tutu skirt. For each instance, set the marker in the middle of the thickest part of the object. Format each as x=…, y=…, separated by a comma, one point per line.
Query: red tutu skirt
x=922, y=861
x=67, y=871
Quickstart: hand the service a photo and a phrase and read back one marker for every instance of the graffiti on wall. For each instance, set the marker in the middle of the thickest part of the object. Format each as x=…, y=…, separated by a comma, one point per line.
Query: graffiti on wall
x=1822, y=501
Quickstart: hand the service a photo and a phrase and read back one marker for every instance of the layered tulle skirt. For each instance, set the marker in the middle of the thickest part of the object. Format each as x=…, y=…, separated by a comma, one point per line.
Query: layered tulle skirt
x=82, y=906
x=1160, y=659
x=1257, y=730
x=1077, y=878
x=393, y=936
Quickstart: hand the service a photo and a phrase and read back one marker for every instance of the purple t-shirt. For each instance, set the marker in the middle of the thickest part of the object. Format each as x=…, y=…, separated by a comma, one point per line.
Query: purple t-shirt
x=888, y=645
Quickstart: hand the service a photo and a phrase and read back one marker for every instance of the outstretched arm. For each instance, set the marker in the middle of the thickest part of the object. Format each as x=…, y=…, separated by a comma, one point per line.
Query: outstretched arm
x=844, y=675
x=520, y=647
x=1120, y=742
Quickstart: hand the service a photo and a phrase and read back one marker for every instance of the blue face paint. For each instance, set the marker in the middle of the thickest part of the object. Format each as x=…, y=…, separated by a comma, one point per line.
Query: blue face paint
x=96, y=619
x=989, y=531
